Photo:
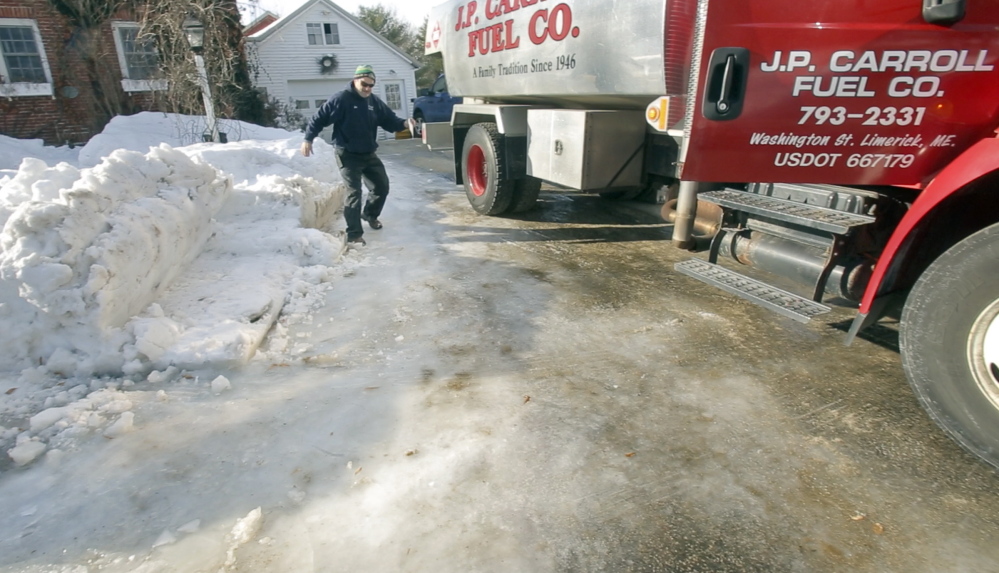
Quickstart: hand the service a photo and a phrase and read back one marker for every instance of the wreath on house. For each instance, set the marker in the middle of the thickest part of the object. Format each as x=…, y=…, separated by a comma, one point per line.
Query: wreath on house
x=327, y=63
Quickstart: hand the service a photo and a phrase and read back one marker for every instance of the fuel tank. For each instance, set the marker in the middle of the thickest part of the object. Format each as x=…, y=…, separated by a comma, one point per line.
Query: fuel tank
x=611, y=54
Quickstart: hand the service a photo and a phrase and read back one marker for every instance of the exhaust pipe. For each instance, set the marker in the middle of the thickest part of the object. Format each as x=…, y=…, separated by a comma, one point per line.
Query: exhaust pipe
x=706, y=222
x=683, y=221
x=800, y=263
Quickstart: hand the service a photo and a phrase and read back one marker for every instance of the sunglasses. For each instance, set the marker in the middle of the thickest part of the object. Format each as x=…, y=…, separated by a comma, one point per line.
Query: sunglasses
x=367, y=85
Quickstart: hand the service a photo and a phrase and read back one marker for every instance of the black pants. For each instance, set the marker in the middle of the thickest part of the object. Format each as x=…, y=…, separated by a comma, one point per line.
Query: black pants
x=355, y=168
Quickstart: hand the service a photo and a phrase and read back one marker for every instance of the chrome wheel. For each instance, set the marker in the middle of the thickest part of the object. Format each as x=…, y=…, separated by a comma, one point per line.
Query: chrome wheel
x=983, y=352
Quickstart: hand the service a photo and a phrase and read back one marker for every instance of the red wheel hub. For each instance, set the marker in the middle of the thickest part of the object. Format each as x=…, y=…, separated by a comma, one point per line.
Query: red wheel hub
x=475, y=170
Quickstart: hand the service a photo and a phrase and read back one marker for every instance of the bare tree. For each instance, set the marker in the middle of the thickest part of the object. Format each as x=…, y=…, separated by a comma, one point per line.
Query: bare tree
x=159, y=26
x=233, y=94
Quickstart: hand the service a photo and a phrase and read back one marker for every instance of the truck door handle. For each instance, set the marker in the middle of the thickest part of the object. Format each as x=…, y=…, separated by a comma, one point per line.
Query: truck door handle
x=943, y=11
x=725, y=85
x=725, y=92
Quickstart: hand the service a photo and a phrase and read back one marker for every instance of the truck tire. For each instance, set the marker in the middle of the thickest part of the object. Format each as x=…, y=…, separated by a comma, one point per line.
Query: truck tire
x=949, y=341
x=482, y=162
x=525, y=194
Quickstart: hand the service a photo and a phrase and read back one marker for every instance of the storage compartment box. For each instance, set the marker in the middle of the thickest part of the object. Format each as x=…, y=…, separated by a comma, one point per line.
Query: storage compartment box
x=584, y=149
x=438, y=136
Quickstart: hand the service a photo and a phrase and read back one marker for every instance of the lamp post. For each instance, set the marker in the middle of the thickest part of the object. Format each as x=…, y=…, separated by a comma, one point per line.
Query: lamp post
x=195, y=32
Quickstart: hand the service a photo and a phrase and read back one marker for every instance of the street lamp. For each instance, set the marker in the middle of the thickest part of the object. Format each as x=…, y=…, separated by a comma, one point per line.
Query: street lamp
x=195, y=32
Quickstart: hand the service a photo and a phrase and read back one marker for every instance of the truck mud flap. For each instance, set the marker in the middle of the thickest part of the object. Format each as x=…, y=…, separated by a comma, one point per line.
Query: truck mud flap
x=515, y=150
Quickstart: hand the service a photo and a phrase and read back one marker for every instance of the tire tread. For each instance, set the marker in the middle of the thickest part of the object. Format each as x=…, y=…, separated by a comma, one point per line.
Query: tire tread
x=497, y=200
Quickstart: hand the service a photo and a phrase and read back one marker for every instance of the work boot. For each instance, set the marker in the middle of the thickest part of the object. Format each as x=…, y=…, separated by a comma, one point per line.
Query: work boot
x=358, y=242
x=373, y=221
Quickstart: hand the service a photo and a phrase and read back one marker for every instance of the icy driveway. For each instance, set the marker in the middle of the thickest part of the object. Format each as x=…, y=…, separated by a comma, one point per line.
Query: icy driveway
x=499, y=395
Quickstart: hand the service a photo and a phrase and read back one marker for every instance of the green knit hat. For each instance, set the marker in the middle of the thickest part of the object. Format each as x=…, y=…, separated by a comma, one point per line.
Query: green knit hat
x=364, y=71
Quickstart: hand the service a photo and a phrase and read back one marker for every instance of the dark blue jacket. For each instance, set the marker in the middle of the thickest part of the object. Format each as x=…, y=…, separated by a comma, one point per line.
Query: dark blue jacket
x=355, y=120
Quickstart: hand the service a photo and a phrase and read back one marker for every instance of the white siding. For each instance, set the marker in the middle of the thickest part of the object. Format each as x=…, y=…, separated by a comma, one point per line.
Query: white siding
x=288, y=66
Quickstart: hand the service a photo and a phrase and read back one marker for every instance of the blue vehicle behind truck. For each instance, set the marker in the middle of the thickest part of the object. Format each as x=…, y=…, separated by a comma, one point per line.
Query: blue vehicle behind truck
x=434, y=104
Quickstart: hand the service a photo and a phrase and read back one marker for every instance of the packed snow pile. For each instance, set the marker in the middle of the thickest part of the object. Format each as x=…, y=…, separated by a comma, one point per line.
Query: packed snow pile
x=266, y=250
x=82, y=258
x=172, y=257
x=148, y=258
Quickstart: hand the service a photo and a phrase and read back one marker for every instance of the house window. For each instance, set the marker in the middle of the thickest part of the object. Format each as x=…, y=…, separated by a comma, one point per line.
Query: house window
x=319, y=103
x=137, y=57
x=20, y=54
x=141, y=60
x=23, y=68
x=322, y=34
x=393, y=95
x=301, y=104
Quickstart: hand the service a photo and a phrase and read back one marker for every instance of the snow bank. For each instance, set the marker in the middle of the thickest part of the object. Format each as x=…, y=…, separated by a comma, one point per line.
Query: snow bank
x=149, y=264
x=13, y=150
x=268, y=249
x=34, y=181
x=175, y=130
x=79, y=260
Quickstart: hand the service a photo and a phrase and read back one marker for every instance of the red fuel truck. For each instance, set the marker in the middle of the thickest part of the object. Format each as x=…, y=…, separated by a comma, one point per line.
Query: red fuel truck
x=846, y=147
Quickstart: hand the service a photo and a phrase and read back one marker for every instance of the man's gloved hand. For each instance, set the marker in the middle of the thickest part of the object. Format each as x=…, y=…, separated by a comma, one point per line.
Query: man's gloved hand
x=411, y=124
x=306, y=148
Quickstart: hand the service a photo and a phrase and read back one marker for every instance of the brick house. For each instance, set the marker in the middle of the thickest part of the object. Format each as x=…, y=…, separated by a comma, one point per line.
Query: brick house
x=50, y=88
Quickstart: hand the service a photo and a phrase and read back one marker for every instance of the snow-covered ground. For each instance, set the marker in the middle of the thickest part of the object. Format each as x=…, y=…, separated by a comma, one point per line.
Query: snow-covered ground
x=155, y=445
x=463, y=394
x=144, y=255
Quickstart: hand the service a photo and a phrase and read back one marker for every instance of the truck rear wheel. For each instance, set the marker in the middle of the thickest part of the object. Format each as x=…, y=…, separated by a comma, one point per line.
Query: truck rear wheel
x=949, y=341
x=482, y=161
x=525, y=194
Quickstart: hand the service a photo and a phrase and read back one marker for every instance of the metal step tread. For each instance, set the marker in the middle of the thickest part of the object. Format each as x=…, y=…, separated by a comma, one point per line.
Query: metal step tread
x=786, y=303
x=830, y=220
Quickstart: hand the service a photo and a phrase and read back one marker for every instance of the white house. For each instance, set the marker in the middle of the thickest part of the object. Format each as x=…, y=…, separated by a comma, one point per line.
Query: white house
x=292, y=56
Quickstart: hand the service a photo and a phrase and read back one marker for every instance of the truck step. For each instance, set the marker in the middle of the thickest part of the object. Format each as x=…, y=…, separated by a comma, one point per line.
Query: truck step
x=786, y=303
x=810, y=216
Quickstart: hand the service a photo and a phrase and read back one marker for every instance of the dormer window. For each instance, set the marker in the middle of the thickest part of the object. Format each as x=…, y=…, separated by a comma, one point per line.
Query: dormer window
x=325, y=34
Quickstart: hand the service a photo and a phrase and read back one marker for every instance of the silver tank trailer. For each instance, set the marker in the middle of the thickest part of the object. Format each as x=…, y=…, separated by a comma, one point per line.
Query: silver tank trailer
x=574, y=54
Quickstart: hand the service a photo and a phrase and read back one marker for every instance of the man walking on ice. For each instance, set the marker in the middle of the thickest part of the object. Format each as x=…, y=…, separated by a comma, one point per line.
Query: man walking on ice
x=356, y=114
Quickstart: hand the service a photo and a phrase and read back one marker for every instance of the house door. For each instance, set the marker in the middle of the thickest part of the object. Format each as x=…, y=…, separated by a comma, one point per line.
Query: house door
x=306, y=97
x=393, y=97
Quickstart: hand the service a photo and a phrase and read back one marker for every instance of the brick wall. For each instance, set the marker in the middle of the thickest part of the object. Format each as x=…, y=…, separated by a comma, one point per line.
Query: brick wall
x=86, y=94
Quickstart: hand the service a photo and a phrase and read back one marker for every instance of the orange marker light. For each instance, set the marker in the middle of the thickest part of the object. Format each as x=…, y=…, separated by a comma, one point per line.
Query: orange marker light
x=657, y=113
